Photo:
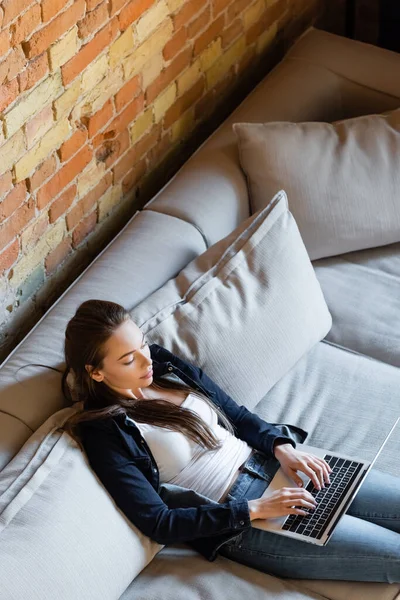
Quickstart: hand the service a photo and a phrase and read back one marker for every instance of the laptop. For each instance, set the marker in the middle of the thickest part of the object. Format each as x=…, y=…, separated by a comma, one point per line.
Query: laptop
x=317, y=526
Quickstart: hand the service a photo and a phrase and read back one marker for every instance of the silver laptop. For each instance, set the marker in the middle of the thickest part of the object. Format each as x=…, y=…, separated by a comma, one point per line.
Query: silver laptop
x=317, y=526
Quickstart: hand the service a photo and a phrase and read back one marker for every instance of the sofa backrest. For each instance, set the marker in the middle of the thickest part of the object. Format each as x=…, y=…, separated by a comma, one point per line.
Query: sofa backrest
x=323, y=77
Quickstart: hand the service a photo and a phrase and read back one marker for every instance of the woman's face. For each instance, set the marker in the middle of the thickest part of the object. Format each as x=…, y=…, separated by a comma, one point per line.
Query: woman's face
x=127, y=363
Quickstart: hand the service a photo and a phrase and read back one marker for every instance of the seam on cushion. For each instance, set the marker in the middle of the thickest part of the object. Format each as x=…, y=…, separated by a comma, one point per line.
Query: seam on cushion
x=346, y=349
x=4, y=412
x=343, y=77
x=203, y=235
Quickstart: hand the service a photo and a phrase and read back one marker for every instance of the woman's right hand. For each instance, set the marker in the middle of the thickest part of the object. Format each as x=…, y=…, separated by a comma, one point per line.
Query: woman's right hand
x=281, y=503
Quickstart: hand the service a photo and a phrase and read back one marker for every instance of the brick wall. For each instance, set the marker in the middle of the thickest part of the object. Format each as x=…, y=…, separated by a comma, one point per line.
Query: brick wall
x=94, y=96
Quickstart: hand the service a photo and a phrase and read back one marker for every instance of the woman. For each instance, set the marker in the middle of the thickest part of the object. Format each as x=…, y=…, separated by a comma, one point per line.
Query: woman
x=185, y=463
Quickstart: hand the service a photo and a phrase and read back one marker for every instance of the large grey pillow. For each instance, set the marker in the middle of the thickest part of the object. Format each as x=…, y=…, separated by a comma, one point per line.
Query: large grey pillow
x=342, y=179
x=246, y=310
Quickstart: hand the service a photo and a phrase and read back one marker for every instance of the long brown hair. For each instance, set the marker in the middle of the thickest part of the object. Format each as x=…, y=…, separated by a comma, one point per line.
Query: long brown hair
x=85, y=337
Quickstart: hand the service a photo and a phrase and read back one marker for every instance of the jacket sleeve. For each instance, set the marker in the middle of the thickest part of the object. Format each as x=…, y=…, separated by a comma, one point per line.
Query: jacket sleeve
x=122, y=476
x=250, y=428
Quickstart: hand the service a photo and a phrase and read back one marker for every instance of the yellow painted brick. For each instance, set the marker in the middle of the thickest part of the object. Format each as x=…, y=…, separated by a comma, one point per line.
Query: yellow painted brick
x=266, y=38
x=96, y=98
x=64, y=104
x=152, y=69
x=46, y=91
x=210, y=54
x=64, y=49
x=253, y=13
x=49, y=142
x=155, y=43
x=46, y=244
x=151, y=20
x=121, y=47
x=112, y=197
x=11, y=151
x=90, y=177
x=173, y=5
x=189, y=77
x=223, y=64
x=141, y=124
x=164, y=101
x=94, y=73
x=29, y=235
x=183, y=125
x=38, y=126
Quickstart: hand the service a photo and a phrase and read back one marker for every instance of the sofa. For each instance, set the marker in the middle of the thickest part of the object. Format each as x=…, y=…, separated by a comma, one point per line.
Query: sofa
x=337, y=391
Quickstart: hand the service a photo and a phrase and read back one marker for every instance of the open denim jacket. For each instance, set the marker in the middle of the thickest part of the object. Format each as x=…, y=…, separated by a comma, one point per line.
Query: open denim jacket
x=167, y=513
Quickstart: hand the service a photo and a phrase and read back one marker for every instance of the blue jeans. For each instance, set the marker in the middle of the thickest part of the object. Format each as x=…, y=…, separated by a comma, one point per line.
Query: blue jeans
x=365, y=546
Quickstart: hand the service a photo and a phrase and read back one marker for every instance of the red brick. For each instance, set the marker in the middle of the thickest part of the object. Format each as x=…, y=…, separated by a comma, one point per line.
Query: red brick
x=126, y=116
x=86, y=204
x=5, y=40
x=12, y=201
x=176, y=67
x=175, y=44
x=136, y=152
x=57, y=256
x=13, y=63
x=231, y=33
x=91, y=4
x=63, y=177
x=8, y=93
x=26, y=24
x=42, y=122
x=219, y=6
x=35, y=70
x=46, y=170
x=156, y=154
x=99, y=119
x=62, y=204
x=50, y=8
x=18, y=220
x=127, y=92
x=84, y=228
x=89, y=52
x=13, y=8
x=71, y=146
x=116, y=5
x=111, y=150
x=41, y=40
x=183, y=103
x=199, y=23
x=187, y=12
x=93, y=20
x=236, y=8
x=132, y=12
x=134, y=176
x=9, y=256
x=5, y=183
x=210, y=34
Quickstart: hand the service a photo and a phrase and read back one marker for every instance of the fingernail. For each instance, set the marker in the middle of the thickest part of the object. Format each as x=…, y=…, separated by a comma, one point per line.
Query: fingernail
x=300, y=484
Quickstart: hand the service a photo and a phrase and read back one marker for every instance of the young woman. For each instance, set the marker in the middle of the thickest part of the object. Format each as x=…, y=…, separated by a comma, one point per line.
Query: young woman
x=185, y=463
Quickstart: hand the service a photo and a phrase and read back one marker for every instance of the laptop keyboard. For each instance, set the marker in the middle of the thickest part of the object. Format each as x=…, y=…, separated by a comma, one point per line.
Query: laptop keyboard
x=315, y=522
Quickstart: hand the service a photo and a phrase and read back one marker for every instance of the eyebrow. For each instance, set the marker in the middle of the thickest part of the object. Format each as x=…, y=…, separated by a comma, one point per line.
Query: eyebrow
x=131, y=352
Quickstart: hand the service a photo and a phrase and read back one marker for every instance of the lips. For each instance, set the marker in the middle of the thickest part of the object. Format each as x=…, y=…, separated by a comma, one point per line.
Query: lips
x=149, y=373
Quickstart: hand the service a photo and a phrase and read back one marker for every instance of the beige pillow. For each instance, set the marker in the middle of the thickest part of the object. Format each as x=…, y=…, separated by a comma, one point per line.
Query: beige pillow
x=61, y=534
x=246, y=310
x=342, y=179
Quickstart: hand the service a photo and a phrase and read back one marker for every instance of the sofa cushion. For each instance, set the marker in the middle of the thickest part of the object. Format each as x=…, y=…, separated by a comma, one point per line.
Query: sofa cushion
x=245, y=310
x=362, y=292
x=346, y=401
x=342, y=179
x=61, y=534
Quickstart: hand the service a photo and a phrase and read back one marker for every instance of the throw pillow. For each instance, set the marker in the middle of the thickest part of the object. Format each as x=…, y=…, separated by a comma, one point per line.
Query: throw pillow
x=342, y=178
x=246, y=310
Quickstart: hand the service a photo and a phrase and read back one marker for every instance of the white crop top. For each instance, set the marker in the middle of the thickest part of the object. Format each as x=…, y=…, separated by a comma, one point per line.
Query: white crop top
x=183, y=462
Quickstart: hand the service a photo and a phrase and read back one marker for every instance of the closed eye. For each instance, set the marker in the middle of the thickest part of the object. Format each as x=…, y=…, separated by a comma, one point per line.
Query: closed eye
x=145, y=343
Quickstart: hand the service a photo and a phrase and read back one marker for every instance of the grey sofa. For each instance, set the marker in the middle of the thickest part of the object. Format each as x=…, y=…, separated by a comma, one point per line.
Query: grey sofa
x=351, y=378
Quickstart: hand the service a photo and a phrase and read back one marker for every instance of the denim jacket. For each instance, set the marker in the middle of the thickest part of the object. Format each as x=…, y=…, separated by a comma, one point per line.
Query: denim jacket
x=166, y=513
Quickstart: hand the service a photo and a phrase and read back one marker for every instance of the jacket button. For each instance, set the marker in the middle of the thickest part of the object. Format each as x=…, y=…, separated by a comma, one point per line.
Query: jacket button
x=242, y=522
x=170, y=368
x=142, y=441
x=155, y=470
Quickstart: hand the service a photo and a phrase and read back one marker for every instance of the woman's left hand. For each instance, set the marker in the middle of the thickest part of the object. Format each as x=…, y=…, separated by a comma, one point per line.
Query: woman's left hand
x=293, y=460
